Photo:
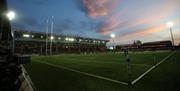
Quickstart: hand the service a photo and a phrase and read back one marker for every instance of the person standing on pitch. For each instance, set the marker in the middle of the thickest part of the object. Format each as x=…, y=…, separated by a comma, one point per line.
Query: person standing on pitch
x=154, y=56
x=128, y=65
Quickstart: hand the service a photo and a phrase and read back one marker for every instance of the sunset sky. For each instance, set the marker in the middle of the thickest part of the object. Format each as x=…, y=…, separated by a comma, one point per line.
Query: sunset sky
x=129, y=20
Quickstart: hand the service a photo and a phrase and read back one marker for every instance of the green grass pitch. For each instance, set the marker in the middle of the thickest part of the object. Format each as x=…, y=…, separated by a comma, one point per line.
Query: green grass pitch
x=50, y=73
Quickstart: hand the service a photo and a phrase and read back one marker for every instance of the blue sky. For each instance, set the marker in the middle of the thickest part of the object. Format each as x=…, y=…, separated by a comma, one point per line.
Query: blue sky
x=130, y=20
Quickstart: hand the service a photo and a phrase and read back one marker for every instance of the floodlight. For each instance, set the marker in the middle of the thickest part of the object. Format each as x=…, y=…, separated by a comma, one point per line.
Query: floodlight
x=66, y=38
x=51, y=37
x=111, y=47
x=170, y=24
x=71, y=39
x=26, y=35
x=10, y=15
x=112, y=35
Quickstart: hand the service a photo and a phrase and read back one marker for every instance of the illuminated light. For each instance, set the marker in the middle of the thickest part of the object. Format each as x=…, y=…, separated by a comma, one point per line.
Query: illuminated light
x=51, y=37
x=66, y=39
x=10, y=15
x=94, y=41
x=26, y=35
x=111, y=48
x=69, y=39
x=170, y=24
x=32, y=36
x=112, y=35
x=41, y=36
x=59, y=38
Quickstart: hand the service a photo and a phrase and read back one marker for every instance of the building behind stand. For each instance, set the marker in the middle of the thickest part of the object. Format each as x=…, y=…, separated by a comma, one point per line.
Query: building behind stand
x=147, y=46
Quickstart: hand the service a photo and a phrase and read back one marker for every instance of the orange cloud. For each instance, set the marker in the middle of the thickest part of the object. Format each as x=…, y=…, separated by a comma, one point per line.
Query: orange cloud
x=146, y=20
x=113, y=23
x=142, y=33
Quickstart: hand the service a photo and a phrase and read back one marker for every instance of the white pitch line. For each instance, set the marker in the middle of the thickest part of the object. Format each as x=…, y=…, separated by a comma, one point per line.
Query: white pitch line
x=137, y=79
x=118, y=63
x=84, y=73
x=147, y=65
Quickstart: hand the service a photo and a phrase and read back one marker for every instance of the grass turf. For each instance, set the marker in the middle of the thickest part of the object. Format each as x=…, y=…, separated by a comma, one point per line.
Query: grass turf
x=49, y=78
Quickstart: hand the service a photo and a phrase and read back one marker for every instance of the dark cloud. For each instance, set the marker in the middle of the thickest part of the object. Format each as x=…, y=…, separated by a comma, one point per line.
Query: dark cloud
x=65, y=25
x=30, y=21
x=38, y=2
x=80, y=5
x=87, y=25
x=18, y=26
x=27, y=22
x=90, y=25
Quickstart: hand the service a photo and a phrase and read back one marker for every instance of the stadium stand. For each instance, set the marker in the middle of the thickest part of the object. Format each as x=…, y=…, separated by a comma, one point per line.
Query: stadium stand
x=30, y=42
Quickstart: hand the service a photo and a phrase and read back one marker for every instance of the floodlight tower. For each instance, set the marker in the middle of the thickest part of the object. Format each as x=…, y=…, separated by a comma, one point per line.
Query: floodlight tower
x=11, y=15
x=113, y=36
x=51, y=37
x=47, y=29
x=11, y=68
x=170, y=25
